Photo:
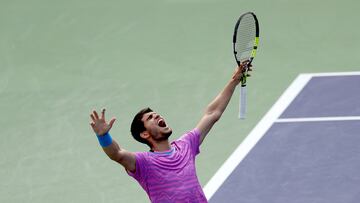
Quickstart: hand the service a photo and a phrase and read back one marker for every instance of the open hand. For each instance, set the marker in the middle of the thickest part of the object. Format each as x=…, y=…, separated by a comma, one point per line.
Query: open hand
x=98, y=124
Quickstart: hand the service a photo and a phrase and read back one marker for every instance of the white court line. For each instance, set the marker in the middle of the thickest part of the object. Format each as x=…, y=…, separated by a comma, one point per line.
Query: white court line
x=332, y=74
x=317, y=119
x=261, y=128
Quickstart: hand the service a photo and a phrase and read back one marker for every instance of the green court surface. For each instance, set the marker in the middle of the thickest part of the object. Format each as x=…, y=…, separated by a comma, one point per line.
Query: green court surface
x=61, y=59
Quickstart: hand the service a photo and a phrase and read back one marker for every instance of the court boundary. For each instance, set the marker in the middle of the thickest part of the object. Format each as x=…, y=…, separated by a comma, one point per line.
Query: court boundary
x=271, y=117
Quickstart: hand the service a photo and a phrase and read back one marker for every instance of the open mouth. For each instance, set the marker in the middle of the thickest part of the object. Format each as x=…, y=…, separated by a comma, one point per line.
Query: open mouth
x=161, y=123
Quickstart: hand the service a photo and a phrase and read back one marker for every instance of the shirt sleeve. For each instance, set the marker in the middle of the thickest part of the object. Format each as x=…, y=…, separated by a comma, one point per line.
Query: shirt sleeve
x=193, y=138
x=140, y=167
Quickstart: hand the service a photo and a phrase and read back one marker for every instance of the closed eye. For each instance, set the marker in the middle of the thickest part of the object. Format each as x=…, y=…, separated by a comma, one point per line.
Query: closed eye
x=149, y=117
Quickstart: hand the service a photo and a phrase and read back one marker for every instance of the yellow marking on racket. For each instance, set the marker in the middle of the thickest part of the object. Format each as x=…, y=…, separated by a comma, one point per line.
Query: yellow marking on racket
x=256, y=43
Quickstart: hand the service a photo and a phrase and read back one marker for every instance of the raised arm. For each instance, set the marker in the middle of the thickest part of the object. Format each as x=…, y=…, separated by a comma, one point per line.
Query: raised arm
x=111, y=147
x=215, y=109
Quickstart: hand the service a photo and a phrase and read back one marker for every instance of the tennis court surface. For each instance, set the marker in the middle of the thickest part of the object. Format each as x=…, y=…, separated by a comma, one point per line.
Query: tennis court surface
x=305, y=149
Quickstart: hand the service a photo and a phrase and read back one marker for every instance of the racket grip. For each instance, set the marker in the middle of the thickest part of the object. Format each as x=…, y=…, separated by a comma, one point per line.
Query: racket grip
x=242, y=104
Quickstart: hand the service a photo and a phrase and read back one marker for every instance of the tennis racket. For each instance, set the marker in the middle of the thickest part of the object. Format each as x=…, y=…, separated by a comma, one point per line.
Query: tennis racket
x=245, y=43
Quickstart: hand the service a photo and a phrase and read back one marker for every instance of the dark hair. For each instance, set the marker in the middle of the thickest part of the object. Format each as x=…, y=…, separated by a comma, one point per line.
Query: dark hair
x=137, y=126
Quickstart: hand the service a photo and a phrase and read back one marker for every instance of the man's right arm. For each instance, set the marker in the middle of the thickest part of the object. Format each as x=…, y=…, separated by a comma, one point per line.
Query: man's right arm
x=111, y=148
x=121, y=156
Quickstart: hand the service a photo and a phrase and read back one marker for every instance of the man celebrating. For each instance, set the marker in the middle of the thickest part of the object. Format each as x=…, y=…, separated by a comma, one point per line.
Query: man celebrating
x=167, y=172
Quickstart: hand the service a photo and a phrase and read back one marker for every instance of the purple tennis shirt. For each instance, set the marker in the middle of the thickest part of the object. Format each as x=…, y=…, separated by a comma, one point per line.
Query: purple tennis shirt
x=171, y=176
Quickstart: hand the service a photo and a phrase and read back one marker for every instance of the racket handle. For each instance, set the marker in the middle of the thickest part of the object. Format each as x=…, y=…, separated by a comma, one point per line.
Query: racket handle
x=242, y=104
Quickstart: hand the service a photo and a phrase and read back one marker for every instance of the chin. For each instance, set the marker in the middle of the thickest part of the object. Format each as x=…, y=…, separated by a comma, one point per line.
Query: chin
x=167, y=133
x=163, y=136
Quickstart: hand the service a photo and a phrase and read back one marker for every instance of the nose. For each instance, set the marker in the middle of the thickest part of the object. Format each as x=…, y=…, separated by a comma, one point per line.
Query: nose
x=157, y=116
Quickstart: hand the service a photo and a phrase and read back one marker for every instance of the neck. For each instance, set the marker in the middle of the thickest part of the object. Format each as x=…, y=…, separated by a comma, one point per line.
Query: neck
x=162, y=146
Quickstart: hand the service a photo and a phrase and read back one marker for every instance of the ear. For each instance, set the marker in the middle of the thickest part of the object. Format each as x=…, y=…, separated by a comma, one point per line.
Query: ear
x=145, y=135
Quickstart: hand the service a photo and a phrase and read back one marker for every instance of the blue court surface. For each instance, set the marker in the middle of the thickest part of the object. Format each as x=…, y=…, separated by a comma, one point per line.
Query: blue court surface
x=306, y=149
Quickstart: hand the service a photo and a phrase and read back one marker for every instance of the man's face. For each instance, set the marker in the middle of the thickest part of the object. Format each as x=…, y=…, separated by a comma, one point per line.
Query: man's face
x=156, y=126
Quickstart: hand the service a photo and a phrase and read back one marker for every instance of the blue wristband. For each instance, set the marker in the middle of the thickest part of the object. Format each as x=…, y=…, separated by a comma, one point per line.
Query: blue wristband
x=104, y=140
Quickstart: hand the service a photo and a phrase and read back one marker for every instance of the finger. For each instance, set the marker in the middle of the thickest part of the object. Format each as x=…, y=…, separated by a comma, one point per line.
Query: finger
x=242, y=65
x=112, y=121
x=245, y=66
x=92, y=117
x=246, y=63
x=92, y=124
x=103, y=113
x=244, y=69
x=240, y=68
x=95, y=114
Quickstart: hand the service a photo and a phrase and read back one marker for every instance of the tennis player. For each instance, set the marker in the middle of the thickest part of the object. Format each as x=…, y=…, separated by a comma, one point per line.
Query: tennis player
x=167, y=172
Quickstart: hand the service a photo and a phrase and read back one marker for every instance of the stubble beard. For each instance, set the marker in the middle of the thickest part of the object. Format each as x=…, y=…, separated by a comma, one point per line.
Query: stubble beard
x=163, y=137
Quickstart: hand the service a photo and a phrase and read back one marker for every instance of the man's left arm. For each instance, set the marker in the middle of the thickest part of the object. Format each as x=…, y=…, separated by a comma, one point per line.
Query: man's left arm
x=215, y=109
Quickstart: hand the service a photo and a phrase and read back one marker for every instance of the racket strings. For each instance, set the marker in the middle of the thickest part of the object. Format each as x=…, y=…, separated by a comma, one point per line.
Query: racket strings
x=245, y=37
